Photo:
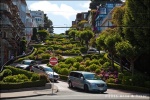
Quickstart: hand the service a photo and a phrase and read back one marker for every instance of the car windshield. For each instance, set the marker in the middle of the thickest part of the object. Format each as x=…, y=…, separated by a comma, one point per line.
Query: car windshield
x=91, y=77
x=48, y=69
x=26, y=63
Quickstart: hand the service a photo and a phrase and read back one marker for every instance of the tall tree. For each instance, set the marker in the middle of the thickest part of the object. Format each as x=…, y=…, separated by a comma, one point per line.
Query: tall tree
x=138, y=27
x=86, y=35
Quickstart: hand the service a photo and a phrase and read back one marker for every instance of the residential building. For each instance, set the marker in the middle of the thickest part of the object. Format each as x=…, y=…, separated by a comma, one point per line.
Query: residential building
x=38, y=16
x=12, y=27
x=102, y=12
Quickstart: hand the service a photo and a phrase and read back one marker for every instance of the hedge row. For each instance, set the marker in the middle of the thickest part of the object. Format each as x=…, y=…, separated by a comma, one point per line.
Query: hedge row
x=8, y=86
x=130, y=88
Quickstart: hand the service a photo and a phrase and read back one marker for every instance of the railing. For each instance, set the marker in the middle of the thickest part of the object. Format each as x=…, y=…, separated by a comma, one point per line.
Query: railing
x=15, y=58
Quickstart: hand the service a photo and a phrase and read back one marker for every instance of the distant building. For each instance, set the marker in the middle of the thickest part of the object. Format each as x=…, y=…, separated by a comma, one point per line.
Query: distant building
x=38, y=16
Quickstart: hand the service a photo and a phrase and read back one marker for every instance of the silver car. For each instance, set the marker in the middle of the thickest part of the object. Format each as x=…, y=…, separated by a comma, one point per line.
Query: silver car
x=92, y=50
x=87, y=81
x=43, y=68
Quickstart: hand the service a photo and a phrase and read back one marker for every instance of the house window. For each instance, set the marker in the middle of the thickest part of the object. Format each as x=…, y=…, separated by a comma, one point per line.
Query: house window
x=102, y=10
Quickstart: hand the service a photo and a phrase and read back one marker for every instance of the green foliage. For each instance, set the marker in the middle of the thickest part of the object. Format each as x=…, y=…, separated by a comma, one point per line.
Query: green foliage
x=83, y=50
x=97, y=70
x=106, y=65
x=16, y=71
x=127, y=80
x=56, y=69
x=81, y=68
x=70, y=60
x=93, y=67
x=16, y=78
x=40, y=51
x=110, y=80
x=76, y=65
x=94, y=61
x=64, y=71
x=87, y=62
x=35, y=77
x=73, y=69
x=87, y=69
x=63, y=65
x=79, y=58
x=45, y=56
x=6, y=72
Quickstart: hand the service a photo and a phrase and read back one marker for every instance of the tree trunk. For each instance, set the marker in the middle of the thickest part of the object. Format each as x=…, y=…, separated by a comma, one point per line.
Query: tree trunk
x=112, y=60
x=121, y=66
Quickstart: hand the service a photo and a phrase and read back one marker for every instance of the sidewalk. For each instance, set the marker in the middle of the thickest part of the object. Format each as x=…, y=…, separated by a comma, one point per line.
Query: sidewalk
x=28, y=92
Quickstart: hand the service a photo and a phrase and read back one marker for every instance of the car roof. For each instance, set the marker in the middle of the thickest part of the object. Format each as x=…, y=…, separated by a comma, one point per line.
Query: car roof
x=21, y=65
x=28, y=60
x=43, y=65
x=83, y=72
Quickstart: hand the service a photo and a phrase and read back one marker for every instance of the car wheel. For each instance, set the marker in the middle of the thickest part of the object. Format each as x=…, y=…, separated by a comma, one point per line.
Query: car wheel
x=86, y=88
x=70, y=84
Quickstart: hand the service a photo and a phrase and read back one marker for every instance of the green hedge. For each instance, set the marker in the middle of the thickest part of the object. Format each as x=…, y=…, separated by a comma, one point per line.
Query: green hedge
x=63, y=77
x=130, y=88
x=8, y=86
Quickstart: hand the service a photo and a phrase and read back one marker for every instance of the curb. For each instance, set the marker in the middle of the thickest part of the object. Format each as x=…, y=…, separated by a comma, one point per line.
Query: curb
x=34, y=92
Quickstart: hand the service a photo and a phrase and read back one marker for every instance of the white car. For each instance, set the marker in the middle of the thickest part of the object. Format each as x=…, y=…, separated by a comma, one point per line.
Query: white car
x=43, y=68
x=92, y=50
x=26, y=64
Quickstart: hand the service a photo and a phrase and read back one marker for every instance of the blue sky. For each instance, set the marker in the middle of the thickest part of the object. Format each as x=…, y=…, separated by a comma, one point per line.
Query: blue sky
x=61, y=12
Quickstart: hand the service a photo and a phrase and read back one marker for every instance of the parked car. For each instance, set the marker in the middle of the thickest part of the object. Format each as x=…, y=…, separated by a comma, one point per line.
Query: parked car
x=87, y=81
x=43, y=68
x=26, y=64
x=92, y=50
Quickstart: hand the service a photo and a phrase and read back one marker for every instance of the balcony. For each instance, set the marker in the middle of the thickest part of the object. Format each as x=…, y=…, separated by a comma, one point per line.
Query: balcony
x=4, y=21
x=4, y=8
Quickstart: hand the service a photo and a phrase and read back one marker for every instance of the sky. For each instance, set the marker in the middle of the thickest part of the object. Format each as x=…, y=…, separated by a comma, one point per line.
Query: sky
x=61, y=12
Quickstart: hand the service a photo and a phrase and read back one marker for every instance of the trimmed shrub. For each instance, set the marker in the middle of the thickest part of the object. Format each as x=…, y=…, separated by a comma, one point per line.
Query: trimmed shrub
x=94, y=61
x=73, y=69
x=79, y=58
x=97, y=71
x=40, y=51
x=110, y=80
x=44, y=77
x=16, y=78
x=6, y=72
x=64, y=71
x=106, y=65
x=76, y=65
x=127, y=80
x=70, y=60
x=82, y=68
x=93, y=67
x=45, y=56
x=35, y=77
x=87, y=69
x=83, y=50
x=87, y=62
x=63, y=77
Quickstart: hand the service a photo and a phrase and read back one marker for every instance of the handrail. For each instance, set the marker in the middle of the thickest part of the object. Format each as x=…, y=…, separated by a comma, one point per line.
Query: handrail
x=119, y=63
x=17, y=57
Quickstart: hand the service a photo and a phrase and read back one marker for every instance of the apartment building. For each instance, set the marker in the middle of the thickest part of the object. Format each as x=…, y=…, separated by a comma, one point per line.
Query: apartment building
x=102, y=12
x=38, y=16
x=13, y=19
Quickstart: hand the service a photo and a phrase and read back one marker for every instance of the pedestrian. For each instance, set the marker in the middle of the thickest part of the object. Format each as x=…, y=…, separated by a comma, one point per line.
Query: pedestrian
x=11, y=57
x=23, y=53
